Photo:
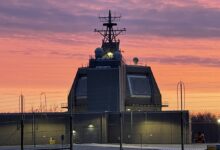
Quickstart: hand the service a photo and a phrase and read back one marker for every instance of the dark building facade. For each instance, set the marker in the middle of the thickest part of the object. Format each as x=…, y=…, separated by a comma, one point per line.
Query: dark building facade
x=116, y=87
x=108, y=84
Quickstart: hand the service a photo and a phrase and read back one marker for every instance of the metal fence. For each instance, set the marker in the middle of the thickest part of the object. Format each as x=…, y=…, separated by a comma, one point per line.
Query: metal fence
x=53, y=130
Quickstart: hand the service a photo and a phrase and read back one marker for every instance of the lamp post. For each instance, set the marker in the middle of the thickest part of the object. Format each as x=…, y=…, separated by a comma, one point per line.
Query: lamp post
x=131, y=136
x=181, y=87
x=71, y=120
x=218, y=121
x=121, y=130
x=43, y=107
x=21, y=102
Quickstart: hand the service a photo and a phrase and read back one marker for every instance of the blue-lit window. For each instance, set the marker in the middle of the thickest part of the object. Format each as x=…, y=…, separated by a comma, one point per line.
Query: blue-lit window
x=139, y=86
x=81, y=89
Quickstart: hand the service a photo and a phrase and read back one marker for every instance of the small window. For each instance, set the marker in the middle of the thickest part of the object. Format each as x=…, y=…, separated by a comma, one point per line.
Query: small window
x=81, y=89
x=139, y=86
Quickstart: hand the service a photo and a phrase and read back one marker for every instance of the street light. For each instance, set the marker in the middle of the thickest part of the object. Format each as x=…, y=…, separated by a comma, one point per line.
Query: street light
x=181, y=87
x=91, y=126
x=121, y=131
x=218, y=120
x=43, y=107
x=74, y=132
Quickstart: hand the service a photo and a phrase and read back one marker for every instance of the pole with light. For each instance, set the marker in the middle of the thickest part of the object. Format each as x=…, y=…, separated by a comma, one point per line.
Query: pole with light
x=21, y=108
x=43, y=107
x=121, y=131
x=181, y=88
x=71, y=120
x=218, y=121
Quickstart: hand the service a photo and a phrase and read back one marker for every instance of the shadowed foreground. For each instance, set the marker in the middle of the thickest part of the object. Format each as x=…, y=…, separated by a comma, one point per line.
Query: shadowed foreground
x=112, y=147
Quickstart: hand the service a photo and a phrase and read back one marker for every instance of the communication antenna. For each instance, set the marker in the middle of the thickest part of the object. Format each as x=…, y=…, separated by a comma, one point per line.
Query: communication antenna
x=109, y=33
x=109, y=42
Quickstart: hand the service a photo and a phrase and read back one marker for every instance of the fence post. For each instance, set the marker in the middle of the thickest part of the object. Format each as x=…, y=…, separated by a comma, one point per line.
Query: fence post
x=141, y=140
x=121, y=131
x=22, y=120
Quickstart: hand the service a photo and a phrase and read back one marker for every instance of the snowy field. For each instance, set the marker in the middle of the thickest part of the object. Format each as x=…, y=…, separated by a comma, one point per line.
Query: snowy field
x=111, y=147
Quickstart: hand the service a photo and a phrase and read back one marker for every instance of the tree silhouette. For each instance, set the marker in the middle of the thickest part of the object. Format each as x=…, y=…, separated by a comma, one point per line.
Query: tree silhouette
x=203, y=117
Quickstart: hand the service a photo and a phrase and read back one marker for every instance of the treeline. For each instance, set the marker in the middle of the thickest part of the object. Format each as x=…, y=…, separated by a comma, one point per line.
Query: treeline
x=204, y=117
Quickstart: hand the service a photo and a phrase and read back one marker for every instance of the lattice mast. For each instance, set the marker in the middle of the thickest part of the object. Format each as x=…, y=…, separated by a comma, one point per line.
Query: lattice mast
x=109, y=34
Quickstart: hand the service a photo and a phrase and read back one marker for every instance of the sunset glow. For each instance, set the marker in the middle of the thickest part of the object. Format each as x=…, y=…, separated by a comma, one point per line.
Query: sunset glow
x=42, y=43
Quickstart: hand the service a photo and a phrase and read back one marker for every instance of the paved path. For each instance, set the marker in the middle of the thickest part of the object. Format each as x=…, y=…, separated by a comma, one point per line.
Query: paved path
x=112, y=147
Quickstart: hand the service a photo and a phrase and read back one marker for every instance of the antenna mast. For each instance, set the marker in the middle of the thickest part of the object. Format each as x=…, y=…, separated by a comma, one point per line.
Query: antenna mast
x=109, y=42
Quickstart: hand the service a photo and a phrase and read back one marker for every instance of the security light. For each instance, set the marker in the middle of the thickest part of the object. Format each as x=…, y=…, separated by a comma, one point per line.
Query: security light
x=74, y=132
x=218, y=120
x=110, y=55
x=91, y=126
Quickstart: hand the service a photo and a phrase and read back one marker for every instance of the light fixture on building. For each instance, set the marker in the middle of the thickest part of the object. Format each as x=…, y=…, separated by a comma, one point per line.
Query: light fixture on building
x=218, y=120
x=74, y=132
x=91, y=126
x=110, y=55
x=128, y=109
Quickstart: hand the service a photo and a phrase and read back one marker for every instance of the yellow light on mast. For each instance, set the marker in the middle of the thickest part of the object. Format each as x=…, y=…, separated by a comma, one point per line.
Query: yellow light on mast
x=110, y=55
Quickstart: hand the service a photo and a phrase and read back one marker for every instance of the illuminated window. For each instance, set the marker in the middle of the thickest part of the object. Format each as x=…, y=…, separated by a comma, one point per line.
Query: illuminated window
x=81, y=89
x=139, y=86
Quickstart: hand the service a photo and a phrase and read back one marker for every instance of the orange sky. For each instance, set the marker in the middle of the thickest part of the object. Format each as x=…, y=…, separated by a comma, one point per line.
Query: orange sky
x=37, y=55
